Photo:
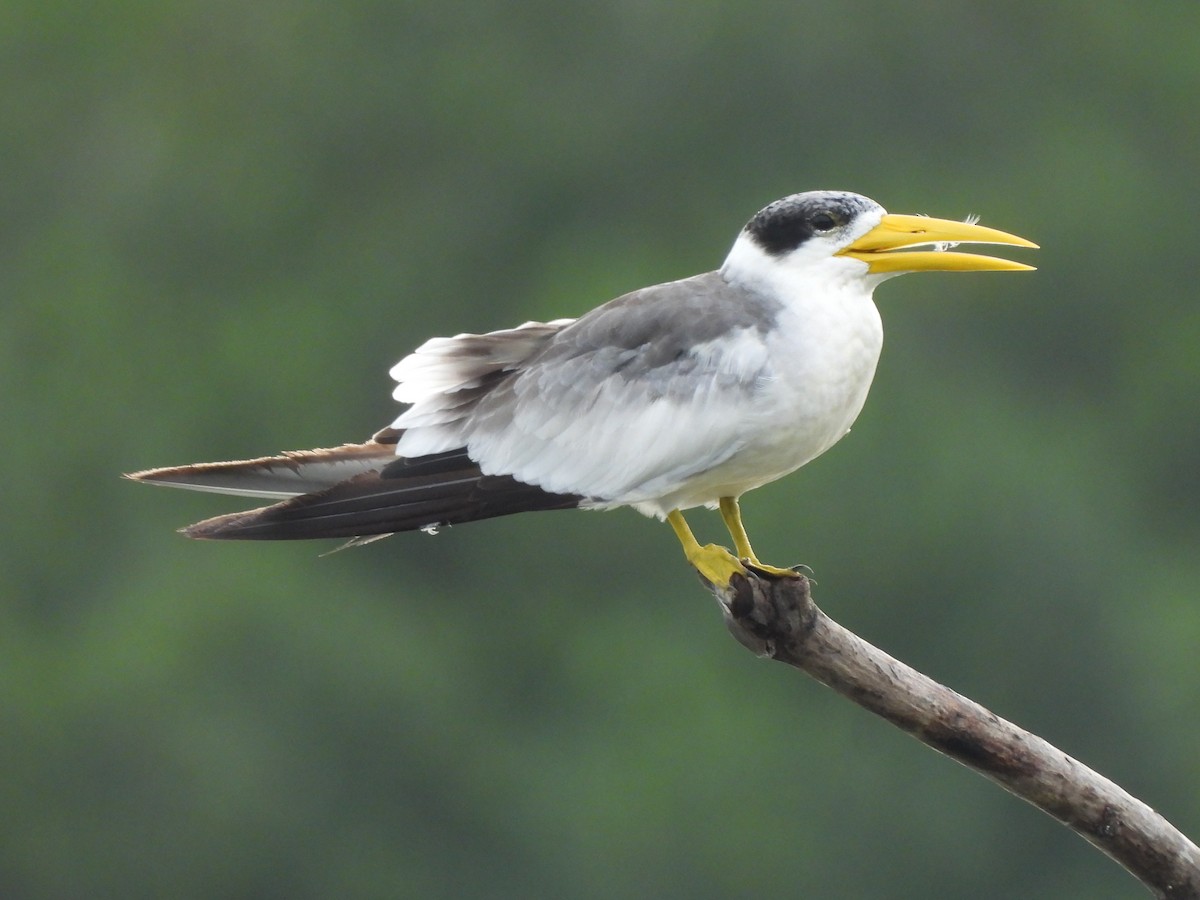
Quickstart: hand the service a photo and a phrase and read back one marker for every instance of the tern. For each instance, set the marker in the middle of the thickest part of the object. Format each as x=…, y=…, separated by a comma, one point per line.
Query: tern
x=675, y=396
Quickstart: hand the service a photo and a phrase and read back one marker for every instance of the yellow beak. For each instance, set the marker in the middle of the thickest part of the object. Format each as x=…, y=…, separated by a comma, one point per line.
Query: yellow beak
x=877, y=247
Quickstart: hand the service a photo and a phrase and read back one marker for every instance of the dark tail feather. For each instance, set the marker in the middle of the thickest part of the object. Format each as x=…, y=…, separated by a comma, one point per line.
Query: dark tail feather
x=276, y=477
x=403, y=495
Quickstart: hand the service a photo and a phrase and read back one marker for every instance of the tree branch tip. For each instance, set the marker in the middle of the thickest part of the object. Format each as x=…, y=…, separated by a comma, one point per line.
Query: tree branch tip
x=765, y=614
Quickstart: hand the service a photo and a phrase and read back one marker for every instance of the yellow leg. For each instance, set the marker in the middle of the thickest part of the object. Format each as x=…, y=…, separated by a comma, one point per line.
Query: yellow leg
x=731, y=513
x=732, y=516
x=715, y=564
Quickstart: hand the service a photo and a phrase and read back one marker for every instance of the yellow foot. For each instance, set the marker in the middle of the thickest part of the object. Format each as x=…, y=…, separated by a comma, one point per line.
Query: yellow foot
x=770, y=571
x=715, y=564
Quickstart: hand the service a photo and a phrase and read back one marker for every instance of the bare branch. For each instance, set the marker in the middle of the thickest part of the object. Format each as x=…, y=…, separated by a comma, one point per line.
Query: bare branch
x=777, y=618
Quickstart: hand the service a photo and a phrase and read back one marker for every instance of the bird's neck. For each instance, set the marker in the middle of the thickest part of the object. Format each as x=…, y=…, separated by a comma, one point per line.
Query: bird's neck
x=795, y=280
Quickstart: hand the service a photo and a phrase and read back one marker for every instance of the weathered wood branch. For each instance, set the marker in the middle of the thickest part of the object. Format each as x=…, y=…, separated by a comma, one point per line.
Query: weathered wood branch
x=777, y=618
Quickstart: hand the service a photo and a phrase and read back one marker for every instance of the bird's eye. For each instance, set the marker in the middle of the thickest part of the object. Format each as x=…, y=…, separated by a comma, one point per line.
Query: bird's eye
x=824, y=222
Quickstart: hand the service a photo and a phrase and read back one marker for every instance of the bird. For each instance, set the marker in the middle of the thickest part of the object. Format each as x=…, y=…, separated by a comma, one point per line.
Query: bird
x=680, y=395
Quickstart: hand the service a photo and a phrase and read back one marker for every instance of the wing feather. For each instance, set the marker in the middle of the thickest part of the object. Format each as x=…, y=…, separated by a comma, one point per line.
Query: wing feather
x=621, y=406
x=626, y=405
x=397, y=494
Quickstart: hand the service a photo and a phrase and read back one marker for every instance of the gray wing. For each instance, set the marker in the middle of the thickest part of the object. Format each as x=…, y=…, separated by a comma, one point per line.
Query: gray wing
x=621, y=405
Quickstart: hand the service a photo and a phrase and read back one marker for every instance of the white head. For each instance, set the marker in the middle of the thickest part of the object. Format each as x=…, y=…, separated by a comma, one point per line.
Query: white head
x=841, y=237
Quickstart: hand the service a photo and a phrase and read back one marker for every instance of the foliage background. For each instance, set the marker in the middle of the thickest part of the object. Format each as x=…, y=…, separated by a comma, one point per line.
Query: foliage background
x=222, y=222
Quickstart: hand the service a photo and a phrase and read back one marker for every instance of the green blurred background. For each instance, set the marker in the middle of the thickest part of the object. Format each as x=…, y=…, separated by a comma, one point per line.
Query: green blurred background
x=222, y=223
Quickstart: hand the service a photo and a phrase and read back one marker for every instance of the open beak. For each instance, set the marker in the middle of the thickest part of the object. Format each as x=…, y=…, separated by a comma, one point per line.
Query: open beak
x=877, y=248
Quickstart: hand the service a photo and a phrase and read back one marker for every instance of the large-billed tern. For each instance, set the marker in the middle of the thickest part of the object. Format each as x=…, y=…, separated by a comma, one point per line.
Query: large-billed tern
x=674, y=396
